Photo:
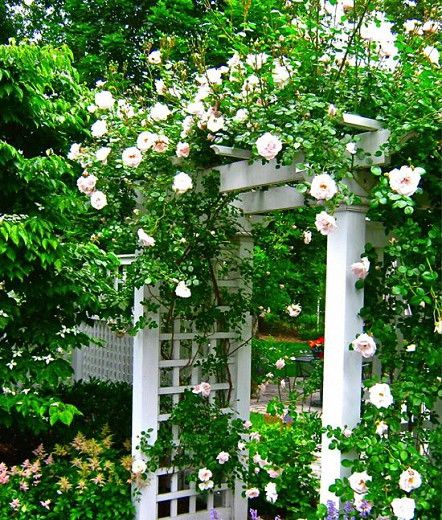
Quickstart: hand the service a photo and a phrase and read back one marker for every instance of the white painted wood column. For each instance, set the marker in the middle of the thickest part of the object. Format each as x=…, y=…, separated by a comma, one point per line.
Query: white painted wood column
x=342, y=367
x=243, y=379
x=145, y=399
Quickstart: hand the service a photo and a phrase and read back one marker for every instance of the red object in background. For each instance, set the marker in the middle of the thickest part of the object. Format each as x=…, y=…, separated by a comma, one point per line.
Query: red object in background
x=317, y=346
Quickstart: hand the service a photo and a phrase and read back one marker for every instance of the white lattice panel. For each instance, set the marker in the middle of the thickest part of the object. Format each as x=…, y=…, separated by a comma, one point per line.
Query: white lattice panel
x=111, y=362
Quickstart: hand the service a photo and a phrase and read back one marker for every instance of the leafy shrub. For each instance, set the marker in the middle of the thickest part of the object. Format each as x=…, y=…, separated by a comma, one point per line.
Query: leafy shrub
x=82, y=480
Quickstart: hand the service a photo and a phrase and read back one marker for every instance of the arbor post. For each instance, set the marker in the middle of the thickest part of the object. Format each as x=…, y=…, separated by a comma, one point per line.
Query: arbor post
x=342, y=367
x=145, y=399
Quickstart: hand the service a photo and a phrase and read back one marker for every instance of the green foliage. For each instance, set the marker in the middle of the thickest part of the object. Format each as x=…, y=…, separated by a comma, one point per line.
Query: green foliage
x=84, y=479
x=45, y=270
x=288, y=448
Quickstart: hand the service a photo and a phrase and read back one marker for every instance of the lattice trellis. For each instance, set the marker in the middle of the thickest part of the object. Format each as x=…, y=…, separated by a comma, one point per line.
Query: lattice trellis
x=158, y=363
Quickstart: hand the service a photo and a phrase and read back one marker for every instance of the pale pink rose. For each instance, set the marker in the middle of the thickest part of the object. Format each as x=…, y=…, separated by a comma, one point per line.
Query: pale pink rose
x=182, y=290
x=323, y=187
x=365, y=345
x=268, y=146
x=347, y=432
x=280, y=364
x=241, y=445
x=182, y=183
x=255, y=436
x=274, y=473
x=294, y=310
x=214, y=76
x=410, y=479
x=204, y=486
x=138, y=466
x=247, y=424
x=325, y=223
x=98, y=200
x=351, y=148
x=222, y=457
x=182, y=149
x=131, y=157
x=281, y=74
x=332, y=110
x=204, y=474
x=252, y=493
x=159, y=112
x=380, y=395
x=86, y=183
x=161, y=143
x=250, y=85
x=160, y=87
x=154, y=58
x=104, y=100
x=205, y=389
x=405, y=181
x=360, y=269
x=196, y=108
x=430, y=27
x=358, y=481
x=146, y=140
x=144, y=239
x=403, y=508
x=307, y=236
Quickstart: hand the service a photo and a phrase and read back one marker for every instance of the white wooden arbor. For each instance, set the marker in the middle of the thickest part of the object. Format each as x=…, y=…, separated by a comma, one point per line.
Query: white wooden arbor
x=265, y=189
x=160, y=379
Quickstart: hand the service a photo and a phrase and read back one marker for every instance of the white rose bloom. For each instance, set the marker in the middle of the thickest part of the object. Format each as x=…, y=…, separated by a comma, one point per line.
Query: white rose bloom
x=405, y=181
x=146, y=140
x=307, y=236
x=131, y=157
x=204, y=486
x=204, y=474
x=268, y=146
x=86, y=183
x=161, y=144
x=160, y=87
x=403, y=508
x=294, y=310
x=351, y=148
x=214, y=123
x=154, y=58
x=182, y=183
x=241, y=115
x=438, y=327
x=222, y=457
x=138, y=466
x=100, y=83
x=256, y=61
x=92, y=108
x=280, y=364
x=214, y=76
x=104, y=100
x=360, y=269
x=160, y=112
x=74, y=152
x=102, y=154
x=98, y=200
x=99, y=128
x=281, y=74
x=410, y=479
x=182, y=149
x=323, y=187
x=325, y=223
x=182, y=290
x=144, y=239
x=196, y=108
x=332, y=110
x=411, y=348
x=365, y=345
x=271, y=494
x=430, y=27
x=252, y=493
x=432, y=54
x=250, y=85
x=380, y=395
x=381, y=428
x=411, y=25
x=358, y=481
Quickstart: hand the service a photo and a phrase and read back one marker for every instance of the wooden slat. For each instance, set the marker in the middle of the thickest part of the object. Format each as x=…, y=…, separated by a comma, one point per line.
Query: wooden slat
x=168, y=390
x=185, y=493
x=273, y=199
x=361, y=123
x=191, y=335
x=227, y=151
x=371, y=142
x=241, y=175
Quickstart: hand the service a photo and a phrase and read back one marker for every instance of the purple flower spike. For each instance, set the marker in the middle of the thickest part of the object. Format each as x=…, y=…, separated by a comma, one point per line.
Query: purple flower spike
x=253, y=514
x=332, y=512
x=214, y=515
